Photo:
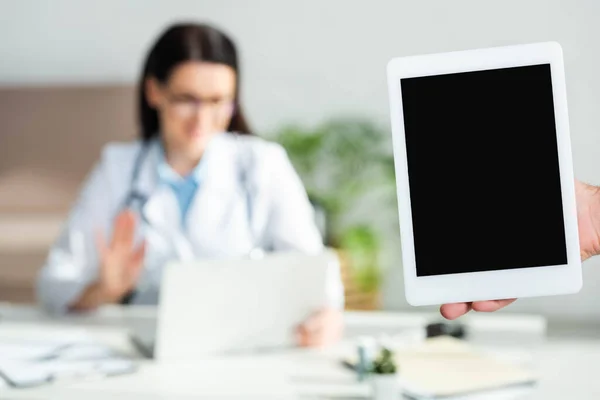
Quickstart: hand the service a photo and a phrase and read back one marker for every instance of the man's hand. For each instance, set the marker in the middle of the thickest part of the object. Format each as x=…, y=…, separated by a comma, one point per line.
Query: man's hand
x=453, y=311
x=588, y=220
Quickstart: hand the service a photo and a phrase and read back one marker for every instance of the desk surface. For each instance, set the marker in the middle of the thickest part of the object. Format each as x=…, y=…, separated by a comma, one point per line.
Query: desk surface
x=566, y=366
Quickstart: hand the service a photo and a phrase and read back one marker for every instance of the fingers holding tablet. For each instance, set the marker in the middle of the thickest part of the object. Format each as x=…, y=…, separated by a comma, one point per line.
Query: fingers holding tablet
x=455, y=310
x=588, y=216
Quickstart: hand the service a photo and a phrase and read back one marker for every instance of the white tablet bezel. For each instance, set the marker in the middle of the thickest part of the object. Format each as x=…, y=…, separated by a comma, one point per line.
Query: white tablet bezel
x=502, y=284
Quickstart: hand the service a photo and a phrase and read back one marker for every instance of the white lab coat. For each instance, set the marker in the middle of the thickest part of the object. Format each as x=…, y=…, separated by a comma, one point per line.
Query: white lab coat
x=250, y=197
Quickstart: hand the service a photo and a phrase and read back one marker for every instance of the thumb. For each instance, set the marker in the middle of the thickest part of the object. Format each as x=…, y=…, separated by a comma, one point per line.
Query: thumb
x=101, y=246
x=313, y=322
x=139, y=253
x=137, y=261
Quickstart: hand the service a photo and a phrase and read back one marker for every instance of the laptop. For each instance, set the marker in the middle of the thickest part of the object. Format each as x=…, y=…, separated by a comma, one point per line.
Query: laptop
x=234, y=306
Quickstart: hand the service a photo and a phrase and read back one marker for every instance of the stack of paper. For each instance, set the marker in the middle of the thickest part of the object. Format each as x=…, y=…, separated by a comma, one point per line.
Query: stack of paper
x=444, y=367
x=26, y=363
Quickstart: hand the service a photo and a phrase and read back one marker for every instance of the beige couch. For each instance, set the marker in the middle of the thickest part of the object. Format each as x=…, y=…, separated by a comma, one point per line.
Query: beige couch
x=49, y=139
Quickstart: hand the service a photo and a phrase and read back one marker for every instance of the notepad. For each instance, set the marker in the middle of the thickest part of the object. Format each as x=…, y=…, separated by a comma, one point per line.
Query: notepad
x=445, y=366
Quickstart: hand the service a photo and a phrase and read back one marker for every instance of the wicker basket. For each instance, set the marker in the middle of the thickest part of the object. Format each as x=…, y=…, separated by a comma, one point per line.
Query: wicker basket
x=355, y=298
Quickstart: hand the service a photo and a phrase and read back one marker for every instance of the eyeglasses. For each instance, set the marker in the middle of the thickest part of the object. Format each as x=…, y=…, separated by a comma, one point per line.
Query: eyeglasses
x=186, y=106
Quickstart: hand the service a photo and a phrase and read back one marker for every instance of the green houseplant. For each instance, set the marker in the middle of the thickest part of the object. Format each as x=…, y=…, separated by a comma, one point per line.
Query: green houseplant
x=384, y=380
x=384, y=363
x=341, y=162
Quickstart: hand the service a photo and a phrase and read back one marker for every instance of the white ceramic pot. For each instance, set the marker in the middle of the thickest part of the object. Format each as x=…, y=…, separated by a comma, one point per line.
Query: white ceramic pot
x=385, y=387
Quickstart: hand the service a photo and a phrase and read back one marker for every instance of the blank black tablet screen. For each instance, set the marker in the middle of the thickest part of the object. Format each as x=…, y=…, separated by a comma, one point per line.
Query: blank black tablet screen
x=483, y=170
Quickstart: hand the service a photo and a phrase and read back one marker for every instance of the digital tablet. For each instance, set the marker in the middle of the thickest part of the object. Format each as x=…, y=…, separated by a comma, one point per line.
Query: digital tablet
x=484, y=174
x=239, y=305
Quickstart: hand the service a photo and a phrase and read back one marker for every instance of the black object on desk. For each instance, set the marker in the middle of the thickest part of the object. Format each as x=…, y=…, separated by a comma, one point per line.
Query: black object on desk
x=446, y=329
x=125, y=300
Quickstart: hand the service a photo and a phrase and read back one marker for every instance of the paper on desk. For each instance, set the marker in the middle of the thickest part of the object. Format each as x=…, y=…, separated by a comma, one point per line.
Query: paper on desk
x=445, y=367
x=231, y=378
x=23, y=350
x=26, y=374
x=20, y=374
x=26, y=350
x=30, y=362
x=28, y=342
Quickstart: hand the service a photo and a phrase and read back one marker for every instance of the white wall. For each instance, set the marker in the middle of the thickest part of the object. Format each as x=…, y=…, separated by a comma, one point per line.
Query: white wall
x=306, y=60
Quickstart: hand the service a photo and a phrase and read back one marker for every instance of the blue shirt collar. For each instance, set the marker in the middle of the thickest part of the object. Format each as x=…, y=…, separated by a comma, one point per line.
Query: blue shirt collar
x=167, y=174
x=212, y=154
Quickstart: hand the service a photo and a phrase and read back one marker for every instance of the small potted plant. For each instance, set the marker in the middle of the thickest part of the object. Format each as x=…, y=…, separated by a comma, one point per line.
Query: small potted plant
x=384, y=376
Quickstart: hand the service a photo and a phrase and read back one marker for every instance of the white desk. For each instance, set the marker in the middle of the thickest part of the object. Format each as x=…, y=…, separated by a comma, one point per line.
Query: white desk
x=566, y=366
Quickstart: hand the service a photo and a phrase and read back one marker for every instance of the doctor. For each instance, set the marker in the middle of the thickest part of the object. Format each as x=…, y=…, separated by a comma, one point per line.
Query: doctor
x=197, y=185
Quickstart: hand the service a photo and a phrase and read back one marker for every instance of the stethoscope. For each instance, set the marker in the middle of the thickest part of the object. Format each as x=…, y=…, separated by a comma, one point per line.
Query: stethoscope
x=134, y=196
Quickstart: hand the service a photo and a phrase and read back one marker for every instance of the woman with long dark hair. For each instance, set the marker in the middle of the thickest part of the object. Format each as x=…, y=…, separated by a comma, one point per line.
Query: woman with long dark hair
x=197, y=176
